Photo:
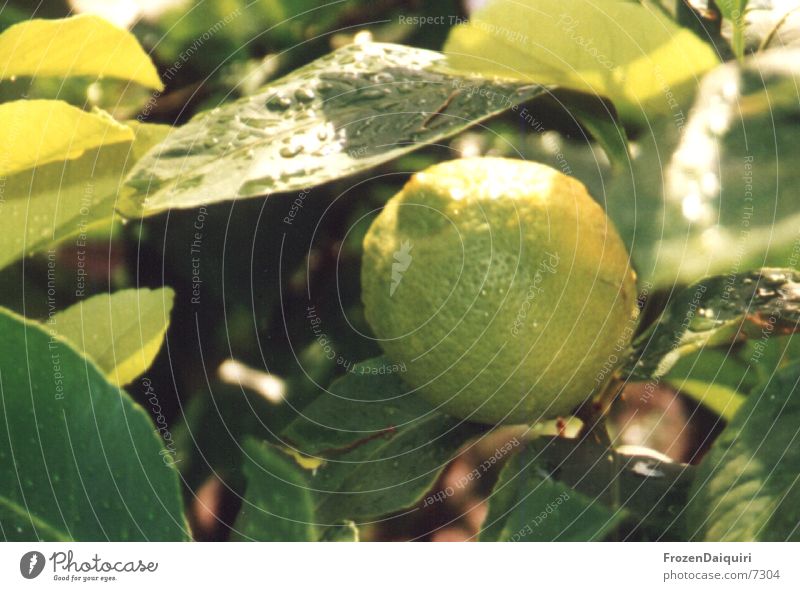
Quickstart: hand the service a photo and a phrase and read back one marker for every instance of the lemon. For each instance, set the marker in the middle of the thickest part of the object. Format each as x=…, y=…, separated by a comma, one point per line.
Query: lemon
x=501, y=287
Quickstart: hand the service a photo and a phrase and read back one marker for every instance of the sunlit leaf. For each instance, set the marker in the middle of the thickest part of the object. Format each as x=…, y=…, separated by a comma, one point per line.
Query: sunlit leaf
x=46, y=205
x=278, y=505
x=628, y=52
x=79, y=460
x=37, y=132
x=121, y=332
x=83, y=45
x=344, y=113
x=747, y=488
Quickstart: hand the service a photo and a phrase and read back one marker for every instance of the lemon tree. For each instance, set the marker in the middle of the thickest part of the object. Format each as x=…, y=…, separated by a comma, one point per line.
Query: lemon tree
x=518, y=270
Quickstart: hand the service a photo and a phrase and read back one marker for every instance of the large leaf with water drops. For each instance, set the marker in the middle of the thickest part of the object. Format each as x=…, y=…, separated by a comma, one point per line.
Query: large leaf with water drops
x=278, y=505
x=50, y=203
x=36, y=132
x=83, y=45
x=344, y=113
x=121, y=332
x=79, y=460
x=747, y=488
x=725, y=201
x=382, y=446
x=716, y=311
x=626, y=51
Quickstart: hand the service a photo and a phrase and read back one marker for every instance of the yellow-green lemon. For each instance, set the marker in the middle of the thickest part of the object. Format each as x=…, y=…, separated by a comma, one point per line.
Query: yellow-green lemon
x=502, y=288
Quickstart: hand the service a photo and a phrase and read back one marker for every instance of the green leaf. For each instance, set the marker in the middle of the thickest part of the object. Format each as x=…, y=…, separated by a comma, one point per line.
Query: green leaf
x=632, y=54
x=83, y=45
x=636, y=489
x=383, y=446
x=747, y=487
x=344, y=113
x=715, y=311
x=528, y=505
x=278, y=504
x=37, y=132
x=733, y=11
x=79, y=460
x=46, y=205
x=717, y=378
x=121, y=332
x=600, y=120
x=724, y=202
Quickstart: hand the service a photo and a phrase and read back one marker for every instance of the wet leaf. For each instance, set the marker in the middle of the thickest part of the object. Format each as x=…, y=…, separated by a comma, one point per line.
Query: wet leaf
x=747, y=487
x=528, y=505
x=640, y=490
x=46, y=205
x=715, y=311
x=344, y=113
x=37, y=132
x=83, y=45
x=79, y=460
x=278, y=505
x=121, y=332
x=625, y=51
x=383, y=446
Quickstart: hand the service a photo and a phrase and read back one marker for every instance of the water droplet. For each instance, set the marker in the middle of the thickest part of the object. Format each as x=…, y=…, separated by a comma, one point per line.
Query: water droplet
x=372, y=93
x=290, y=151
x=383, y=78
x=765, y=292
x=775, y=278
x=278, y=102
x=304, y=95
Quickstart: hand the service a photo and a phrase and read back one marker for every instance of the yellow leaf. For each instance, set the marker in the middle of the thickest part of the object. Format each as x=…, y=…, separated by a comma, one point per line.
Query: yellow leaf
x=121, y=332
x=43, y=206
x=623, y=50
x=84, y=45
x=34, y=133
